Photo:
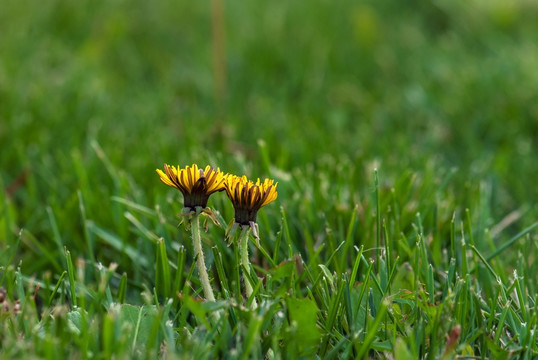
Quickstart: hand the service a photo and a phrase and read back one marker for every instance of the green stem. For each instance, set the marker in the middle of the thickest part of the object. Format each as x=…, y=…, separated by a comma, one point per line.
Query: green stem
x=199, y=254
x=243, y=246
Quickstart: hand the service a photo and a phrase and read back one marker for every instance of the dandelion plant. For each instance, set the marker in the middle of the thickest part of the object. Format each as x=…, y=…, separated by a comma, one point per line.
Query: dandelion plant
x=196, y=185
x=247, y=198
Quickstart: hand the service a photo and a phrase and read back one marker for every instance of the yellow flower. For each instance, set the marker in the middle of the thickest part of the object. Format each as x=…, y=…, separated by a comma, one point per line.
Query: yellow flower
x=195, y=184
x=248, y=197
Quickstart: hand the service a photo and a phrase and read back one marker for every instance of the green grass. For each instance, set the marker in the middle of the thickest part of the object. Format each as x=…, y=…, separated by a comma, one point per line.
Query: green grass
x=402, y=135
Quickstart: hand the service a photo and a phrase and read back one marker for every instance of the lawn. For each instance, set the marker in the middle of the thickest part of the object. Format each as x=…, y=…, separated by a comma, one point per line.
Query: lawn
x=403, y=137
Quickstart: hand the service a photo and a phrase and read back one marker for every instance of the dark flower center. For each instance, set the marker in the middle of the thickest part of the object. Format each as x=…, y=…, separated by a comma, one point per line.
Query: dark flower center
x=245, y=214
x=198, y=195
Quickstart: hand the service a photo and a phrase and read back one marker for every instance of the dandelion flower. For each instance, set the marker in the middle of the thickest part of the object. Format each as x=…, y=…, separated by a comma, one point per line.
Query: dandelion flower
x=195, y=184
x=248, y=197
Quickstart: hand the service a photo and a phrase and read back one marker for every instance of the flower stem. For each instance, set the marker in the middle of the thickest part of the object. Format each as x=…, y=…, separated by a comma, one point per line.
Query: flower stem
x=200, y=261
x=243, y=246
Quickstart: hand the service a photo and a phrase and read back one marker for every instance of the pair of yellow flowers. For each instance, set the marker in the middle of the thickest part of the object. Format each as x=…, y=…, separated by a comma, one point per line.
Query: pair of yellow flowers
x=198, y=184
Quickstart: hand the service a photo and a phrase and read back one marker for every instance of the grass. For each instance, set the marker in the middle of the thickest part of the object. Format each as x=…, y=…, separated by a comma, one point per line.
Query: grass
x=402, y=137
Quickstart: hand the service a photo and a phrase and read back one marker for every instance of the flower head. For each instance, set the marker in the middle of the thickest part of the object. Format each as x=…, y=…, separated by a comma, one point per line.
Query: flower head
x=248, y=197
x=195, y=184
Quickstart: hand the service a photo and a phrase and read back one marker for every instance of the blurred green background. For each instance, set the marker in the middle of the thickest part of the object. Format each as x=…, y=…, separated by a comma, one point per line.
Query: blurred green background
x=94, y=95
